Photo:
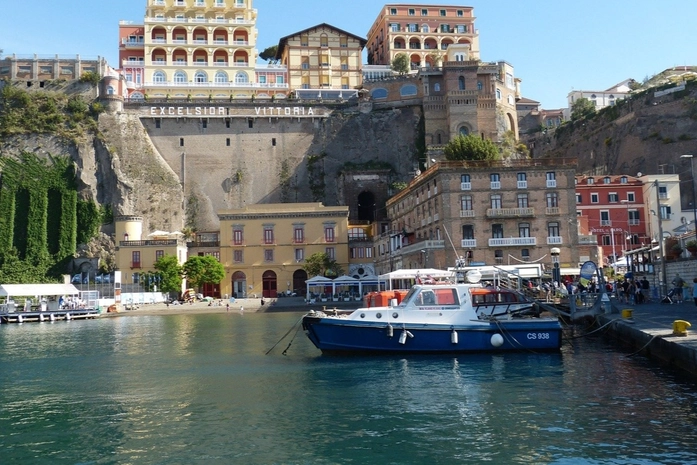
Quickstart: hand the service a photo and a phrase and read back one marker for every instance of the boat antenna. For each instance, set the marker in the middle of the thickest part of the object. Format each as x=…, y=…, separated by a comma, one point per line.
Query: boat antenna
x=445, y=230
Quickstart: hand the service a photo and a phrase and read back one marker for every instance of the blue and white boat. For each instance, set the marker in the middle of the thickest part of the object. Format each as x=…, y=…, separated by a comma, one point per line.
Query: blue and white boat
x=441, y=317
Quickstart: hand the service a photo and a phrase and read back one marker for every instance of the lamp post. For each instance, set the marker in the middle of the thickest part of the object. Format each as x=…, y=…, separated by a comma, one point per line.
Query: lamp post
x=629, y=231
x=661, y=247
x=556, y=271
x=694, y=197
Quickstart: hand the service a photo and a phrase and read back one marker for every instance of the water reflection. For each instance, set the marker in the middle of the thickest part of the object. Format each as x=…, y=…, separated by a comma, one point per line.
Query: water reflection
x=198, y=388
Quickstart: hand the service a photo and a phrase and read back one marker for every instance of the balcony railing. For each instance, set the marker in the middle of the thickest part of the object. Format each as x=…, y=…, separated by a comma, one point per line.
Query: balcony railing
x=160, y=242
x=552, y=211
x=217, y=84
x=510, y=212
x=605, y=222
x=554, y=240
x=587, y=240
x=551, y=183
x=512, y=241
x=468, y=243
x=466, y=186
x=135, y=265
x=466, y=213
x=634, y=221
x=522, y=184
x=203, y=244
x=496, y=184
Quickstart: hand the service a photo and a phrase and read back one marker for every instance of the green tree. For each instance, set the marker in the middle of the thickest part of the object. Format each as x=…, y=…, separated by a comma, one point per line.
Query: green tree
x=582, y=108
x=170, y=273
x=269, y=54
x=400, y=63
x=471, y=147
x=199, y=270
x=319, y=264
x=92, y=77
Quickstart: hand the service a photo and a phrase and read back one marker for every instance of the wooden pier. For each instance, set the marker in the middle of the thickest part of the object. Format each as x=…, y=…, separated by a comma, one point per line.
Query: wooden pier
x=39, y=316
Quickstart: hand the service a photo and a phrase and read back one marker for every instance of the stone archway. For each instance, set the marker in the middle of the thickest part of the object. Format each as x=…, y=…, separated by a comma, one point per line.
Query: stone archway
x=239, y=285
x=299, y=278
x=269, y=284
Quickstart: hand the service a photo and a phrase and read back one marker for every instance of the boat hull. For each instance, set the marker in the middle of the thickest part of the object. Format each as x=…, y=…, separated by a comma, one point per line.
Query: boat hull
x=335, y=335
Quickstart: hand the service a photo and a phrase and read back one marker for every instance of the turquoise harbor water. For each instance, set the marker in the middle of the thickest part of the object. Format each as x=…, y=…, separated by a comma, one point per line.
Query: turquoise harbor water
x=199, y=389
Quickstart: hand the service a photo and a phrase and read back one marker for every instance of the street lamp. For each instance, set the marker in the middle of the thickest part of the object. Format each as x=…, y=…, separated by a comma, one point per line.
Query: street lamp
x=629, y=230
x=694, y=197
x=556, y=271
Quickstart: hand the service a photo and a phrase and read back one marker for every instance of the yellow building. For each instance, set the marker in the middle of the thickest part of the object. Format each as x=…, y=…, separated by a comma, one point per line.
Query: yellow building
x=200, y=48
x=263, y=247
x=136, y=255
x=322, y=58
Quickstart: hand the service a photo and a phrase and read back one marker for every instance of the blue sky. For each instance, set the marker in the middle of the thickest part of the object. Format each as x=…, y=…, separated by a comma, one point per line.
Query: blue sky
x=555, y=47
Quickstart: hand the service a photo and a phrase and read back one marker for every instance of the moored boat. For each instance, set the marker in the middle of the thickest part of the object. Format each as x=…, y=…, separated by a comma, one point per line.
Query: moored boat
x=441, y=317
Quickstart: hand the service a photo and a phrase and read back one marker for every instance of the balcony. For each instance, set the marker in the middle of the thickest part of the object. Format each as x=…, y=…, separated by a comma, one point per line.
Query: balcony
x=552, y=211
x=551, y=183
x=468, y=243
x=605, y=222
x=133, y=42
x=522, y=184
x=135, y=265
x=554, y=240
x=495, y=184
x=133, y=63
x=161, y=242
x=203, y=244
x=663, y=195
x=634, y=222
x=466, y=213
x=465, y=186
x=512, y=241
x=510, y=212
x=587, y=240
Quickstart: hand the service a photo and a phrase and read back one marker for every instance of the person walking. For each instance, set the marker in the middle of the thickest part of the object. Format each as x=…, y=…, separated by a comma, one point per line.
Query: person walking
x=678, y=284
x=645, y=288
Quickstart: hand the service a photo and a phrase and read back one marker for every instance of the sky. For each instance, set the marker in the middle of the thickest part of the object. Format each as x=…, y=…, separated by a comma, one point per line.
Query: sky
x=555, y=47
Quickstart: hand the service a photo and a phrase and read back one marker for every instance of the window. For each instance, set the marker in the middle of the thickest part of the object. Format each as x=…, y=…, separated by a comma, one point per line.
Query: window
x=496, y=201
x=221, y=77
x=612, y=197
x=495, y=179
x=665, y=212
x=630, y=197
x=394, y=27
x=135, y=259
x=461, y=28
x=633, y=217
x=159, y=77
x=200, y=77
x=159, y=254
x=299, y=255
x=553, y=230
x=466, y=203
x=442, y=12
x=343, y=42
x=522, y=180
x=606, y=240
x=590, y=181
x=551, y=179
x=460, y=13
x=461, y=83
x=227, y=142
x=424, y=12
x=180, y=77
x=594, y=198
x=268, y=255
x=524, y=230
x=623, y=180
x=181, y=142
x=237, y=256
x=525, y=255
x=329, y=233
x=323, y=41
x=552, y=199
x=298, y=235
x=268, y=234
x=497, y=231
x=467, y=231
x=523, y=201
x=304, y=40
x=237, y=237
x=158, y=123
x=579, y=199
x=330, y=252
x=662, y=192
x=412, y=12
x=605, y=218
x=465, y=183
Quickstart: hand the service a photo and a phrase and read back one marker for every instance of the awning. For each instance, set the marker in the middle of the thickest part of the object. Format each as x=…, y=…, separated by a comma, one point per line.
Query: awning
x=36, y=290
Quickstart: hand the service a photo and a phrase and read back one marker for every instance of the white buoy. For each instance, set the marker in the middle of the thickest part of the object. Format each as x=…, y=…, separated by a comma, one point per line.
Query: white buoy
x=41, y=318
x=19, y=319
x=67, y=316
x=497, y=340
x=390, y=330
x=453, y=337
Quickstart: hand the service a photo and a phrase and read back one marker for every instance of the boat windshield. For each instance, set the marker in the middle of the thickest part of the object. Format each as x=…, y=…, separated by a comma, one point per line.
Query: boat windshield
x=432, y=296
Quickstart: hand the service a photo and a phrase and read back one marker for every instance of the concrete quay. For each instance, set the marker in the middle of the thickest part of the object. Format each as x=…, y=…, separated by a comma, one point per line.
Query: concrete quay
x=649, y=332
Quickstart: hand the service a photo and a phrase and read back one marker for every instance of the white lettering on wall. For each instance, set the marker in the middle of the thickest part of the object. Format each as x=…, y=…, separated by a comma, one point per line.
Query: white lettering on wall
x=222, y=111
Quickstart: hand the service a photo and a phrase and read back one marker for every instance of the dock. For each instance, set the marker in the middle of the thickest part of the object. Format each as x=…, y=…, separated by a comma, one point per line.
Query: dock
x=649, y=329
x=40, y=316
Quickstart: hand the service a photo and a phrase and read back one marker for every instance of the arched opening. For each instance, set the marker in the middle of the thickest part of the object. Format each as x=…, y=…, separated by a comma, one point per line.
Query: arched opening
x=179, y=35
x=220, y=58
x=239, y=285
x=220, y=36
x=415, y=60
x=269, y=284
x=299, y=278
x=366, y=206
x=464, y=131
x=241, y=58
x=159, y=56
x=159, y=35
x=179, y=57
x=200, y=56
x=241, y=37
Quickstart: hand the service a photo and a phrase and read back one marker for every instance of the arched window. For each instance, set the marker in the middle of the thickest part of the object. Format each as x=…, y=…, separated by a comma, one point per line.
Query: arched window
x=480, y=86
x=461, y=83
x=436, y=87
x=110, y=90
x=159, y=77
x=200, y=77
x=241, y=78
x=408, y=90
x=221, y=77
x=464, y=131
x=379, y=93
x=180, y=76
x=137, y=96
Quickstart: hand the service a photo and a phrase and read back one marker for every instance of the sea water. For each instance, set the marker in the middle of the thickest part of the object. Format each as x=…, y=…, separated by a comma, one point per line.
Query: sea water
x=188, y=389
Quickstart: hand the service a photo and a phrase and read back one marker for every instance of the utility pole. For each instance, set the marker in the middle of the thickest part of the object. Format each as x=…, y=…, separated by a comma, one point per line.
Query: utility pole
x=661, y=247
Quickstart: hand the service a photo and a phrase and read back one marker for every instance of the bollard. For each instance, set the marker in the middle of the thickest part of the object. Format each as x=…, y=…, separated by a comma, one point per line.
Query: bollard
x=680, y=327
x=627, y=313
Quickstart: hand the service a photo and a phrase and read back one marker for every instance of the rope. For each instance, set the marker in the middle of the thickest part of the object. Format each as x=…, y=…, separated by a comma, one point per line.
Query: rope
x=645, y=346
x=285, y=335
x=285, y=352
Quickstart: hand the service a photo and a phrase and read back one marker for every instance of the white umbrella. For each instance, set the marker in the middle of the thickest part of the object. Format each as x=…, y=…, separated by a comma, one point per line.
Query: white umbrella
x=158, y=233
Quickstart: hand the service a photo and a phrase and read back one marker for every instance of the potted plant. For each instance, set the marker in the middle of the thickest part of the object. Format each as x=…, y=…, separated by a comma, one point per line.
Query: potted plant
x=691, y=247
x=676, y=250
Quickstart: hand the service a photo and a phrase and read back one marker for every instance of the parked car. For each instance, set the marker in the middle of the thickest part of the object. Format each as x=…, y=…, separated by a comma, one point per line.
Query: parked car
x=80, y=279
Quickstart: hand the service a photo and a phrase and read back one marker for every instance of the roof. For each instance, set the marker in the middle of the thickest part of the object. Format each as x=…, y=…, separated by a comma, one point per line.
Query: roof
x=27, y=290
x=284, y=40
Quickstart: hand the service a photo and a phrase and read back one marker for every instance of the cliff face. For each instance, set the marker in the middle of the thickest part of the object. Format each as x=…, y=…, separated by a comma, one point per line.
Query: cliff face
x=645, y=134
